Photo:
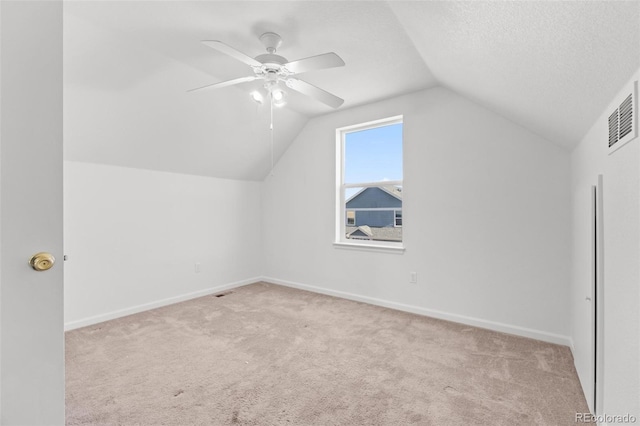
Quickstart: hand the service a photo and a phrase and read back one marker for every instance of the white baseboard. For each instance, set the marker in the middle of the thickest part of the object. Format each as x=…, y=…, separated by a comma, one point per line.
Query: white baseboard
x=476, y=322
x=572, y=347
x=71, y=325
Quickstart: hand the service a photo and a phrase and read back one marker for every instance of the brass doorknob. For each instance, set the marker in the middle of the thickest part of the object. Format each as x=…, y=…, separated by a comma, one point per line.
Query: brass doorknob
x=42, y=261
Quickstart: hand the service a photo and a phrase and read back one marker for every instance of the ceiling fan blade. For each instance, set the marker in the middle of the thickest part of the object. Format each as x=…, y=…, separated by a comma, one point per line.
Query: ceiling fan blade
x=326, y=60
x=315, y=92
x=226, y=83
x=224, y=48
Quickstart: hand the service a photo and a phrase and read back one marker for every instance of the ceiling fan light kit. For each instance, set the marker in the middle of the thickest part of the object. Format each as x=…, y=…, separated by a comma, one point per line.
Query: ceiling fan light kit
x=278, y=97
x=257, y=97
x=276, y=70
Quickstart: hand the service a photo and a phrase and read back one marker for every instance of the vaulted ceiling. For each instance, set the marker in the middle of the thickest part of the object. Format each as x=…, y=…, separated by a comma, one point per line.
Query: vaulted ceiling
x=548, y=66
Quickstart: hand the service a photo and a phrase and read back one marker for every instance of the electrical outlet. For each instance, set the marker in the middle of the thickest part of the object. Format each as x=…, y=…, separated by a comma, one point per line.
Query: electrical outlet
x=413, y=277
x=196, y=268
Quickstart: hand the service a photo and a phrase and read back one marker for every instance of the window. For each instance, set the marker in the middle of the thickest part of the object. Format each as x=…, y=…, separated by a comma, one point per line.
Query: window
x=351, y=217
x=369, y=184
x=398, y=215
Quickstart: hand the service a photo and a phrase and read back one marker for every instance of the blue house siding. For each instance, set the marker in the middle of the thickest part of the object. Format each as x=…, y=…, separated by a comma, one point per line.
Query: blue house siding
x=374, y=198
x=376, y=218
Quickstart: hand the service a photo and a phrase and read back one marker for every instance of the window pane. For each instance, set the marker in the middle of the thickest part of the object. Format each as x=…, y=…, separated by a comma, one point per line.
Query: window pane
x=373, y=155
x=351, y=218
x=398, y=217
x=375, y=213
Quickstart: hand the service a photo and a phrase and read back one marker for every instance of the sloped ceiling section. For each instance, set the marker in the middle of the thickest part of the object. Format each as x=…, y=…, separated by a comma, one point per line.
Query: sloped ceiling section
x=128, y=65
x=550, y=66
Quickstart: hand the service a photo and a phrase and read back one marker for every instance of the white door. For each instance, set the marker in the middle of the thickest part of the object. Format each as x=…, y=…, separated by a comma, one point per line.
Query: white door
x=31, y=303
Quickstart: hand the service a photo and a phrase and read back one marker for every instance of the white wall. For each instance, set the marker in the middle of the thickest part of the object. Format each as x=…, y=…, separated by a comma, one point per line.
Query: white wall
x=621, y=194
x=486, y=218
x=133, y=237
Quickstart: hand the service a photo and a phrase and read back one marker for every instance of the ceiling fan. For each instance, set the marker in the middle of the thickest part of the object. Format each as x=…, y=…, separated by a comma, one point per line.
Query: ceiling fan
x=276, y=70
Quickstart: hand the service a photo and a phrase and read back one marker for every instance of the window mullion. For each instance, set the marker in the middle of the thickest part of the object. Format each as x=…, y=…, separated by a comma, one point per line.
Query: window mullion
x=373, y=184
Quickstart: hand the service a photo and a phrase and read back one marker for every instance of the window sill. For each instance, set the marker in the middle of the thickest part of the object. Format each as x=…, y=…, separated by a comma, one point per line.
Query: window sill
x=384, y=248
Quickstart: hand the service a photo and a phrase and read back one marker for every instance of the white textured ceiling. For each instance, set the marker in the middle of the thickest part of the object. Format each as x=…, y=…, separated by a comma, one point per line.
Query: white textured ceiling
x=549, y=66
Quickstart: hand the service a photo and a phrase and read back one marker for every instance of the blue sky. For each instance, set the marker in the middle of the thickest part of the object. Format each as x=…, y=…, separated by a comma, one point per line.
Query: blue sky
x=374, y=155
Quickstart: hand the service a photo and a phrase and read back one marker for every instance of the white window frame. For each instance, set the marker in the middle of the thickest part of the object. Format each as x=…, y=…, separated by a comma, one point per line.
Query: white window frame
x=341, y=241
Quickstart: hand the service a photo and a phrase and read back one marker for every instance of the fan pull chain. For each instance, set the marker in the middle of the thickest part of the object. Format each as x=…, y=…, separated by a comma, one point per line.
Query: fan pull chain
x=271, y=132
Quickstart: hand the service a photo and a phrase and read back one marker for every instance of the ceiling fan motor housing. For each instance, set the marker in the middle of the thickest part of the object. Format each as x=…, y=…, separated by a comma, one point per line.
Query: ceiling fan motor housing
x=272, y=68
x=271, y=59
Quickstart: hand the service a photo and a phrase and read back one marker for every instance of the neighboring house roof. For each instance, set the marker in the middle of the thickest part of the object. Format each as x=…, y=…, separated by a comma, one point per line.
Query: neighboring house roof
x=361, y=231
x=396, y=191
x=389, y=189
x=387, y=233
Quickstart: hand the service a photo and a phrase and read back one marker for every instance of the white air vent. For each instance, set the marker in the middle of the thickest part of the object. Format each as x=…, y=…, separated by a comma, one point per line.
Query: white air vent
x=623, y=122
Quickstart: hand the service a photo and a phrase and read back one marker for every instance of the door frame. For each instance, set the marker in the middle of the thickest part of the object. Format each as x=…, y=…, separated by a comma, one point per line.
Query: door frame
x=598, y=294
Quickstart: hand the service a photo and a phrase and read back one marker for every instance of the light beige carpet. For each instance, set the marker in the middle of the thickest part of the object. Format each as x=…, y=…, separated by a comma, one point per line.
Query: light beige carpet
x=270, y=355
